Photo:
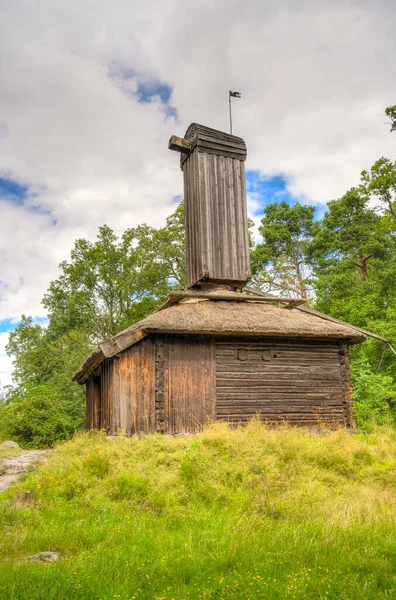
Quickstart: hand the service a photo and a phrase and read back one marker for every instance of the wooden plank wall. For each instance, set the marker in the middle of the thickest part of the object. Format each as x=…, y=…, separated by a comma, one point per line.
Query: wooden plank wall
x=93, y=403
x=217, y=242
x=106, y=396
x=301, y=381
x=185, y=385
x=134, y=388
x=343, y=357
x=89, y=403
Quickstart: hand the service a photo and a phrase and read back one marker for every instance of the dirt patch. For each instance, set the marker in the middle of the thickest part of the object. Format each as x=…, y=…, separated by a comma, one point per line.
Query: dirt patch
x=13, y=467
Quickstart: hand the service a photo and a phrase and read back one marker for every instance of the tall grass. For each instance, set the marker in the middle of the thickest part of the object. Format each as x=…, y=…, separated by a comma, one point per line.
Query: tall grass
x=247, y=513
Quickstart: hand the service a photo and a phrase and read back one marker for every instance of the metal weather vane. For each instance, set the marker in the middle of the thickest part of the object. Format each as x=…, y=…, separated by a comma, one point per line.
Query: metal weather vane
x=232, y=95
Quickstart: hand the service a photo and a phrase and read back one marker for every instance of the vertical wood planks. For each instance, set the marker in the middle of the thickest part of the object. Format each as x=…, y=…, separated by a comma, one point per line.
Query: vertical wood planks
x=96, y=403
x=216, y=224
x=189, y=382
x=89, y=403
x=343, y=356
x=135, y=385
x=217, y=243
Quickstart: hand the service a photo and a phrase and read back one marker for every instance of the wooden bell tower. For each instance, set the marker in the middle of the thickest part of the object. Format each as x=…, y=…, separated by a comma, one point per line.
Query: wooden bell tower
x=213, y=165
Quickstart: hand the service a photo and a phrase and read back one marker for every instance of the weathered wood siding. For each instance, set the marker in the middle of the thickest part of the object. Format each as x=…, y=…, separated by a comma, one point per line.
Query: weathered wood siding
x=185, y=382
x=106, y=407
x=300, y=381
x=177, y=383
x=93, y=403
x=216, y=223
x=134, y=388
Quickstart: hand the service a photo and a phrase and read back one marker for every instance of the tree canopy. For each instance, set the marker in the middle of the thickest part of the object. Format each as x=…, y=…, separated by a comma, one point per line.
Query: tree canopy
x=280, y=261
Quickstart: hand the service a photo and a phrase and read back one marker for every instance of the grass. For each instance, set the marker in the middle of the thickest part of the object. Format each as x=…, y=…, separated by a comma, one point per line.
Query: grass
x=229, y=513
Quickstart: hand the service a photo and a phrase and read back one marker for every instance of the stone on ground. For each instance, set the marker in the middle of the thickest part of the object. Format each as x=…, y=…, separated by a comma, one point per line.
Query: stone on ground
x=10, y=444
x=43, y=557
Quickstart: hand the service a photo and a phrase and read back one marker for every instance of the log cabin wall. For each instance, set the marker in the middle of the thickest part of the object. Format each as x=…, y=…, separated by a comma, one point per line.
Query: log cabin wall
x=300, y=381
x=185, y=382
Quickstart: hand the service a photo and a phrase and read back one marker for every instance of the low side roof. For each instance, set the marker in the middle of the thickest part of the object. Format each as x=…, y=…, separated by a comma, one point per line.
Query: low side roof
x=217, y=317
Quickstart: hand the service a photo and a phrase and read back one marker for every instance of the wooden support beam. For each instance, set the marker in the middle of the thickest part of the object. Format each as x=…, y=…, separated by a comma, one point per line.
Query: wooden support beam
x=179, y=144
x=176, y=297
x=122, y=340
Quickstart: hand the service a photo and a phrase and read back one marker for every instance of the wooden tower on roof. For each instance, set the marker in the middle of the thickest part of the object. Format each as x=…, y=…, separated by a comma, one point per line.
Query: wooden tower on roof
x=212, y=352
x=217, y=238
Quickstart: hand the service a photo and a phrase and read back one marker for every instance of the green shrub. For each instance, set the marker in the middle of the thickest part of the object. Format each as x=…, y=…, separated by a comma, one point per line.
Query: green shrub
x=37, y=420
x=374, y=395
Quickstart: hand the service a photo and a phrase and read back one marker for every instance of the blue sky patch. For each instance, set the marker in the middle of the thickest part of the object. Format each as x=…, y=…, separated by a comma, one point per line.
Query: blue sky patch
x=7, y=325
x=10, y=188
x=17, y=194
x=146, y=88
x=267, y=190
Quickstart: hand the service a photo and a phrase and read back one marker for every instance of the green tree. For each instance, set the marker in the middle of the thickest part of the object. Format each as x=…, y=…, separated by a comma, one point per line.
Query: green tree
x=113, y=282
x=380, y=182
x=349, y=234
x=280, y=262
x=354, y=260
x=391, y=113
x=107, y=285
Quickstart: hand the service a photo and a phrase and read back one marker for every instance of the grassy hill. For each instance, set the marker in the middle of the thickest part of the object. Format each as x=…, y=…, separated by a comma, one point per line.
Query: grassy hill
x=228, y=513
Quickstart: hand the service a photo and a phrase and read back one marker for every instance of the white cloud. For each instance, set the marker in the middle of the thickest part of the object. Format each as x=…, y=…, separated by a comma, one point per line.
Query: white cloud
x=315, y=78
x=5, y=361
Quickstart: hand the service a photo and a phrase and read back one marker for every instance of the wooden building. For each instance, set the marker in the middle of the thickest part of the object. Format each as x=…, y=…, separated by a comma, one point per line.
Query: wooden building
x=212, y=352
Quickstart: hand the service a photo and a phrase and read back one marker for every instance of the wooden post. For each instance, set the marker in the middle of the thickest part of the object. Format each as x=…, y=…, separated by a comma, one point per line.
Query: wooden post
x=229, y=106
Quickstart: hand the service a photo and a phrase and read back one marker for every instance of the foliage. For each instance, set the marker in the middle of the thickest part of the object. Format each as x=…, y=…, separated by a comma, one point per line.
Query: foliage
x=44, y=405
x=350, y=234
x=106, y=286
x=380, y=181
x=111, y=283
x=39, y=419
x=279, y=263
x=374, y=395
x=39, y=358
x=250, y=512
x=390, y=112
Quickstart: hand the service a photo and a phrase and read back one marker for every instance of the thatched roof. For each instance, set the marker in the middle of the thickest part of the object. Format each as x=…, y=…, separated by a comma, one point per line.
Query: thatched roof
x=242, y=318
x=222, y=317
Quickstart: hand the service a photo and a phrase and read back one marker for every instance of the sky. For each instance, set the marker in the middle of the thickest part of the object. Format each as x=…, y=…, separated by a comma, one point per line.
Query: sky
x=91, y=91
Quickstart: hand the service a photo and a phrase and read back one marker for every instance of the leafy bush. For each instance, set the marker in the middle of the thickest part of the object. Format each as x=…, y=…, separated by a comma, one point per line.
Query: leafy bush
x=374, y=395
x=39, y=419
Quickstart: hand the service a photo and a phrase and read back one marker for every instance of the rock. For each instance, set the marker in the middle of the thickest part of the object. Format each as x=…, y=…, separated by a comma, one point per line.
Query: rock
x=43, y=557
x=10, y=444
